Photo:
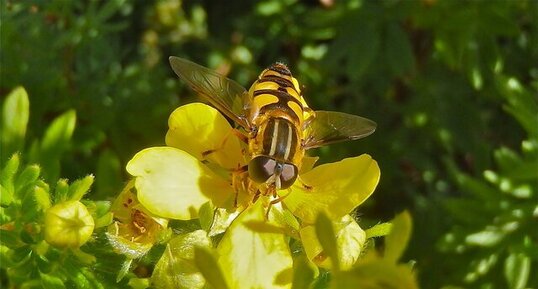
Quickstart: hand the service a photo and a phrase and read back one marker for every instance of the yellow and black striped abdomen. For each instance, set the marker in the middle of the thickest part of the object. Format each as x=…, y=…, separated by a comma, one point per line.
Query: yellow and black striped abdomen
x=276, y=110
x=280, y=139
x=276, y=93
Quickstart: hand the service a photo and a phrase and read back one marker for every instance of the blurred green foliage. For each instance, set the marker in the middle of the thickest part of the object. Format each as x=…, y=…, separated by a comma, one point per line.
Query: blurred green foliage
x=453, y=87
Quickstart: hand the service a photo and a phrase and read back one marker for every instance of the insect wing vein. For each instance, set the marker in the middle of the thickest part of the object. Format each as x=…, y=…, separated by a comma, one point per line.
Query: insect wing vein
x=225, y=94
x=332, y=127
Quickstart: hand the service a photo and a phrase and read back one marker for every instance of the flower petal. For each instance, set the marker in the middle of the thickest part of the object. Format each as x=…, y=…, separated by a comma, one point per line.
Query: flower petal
x=335, y=188
x=350, y=239
x=255, y=252
x=198, y=128
x=176, y=268
x=173, y=184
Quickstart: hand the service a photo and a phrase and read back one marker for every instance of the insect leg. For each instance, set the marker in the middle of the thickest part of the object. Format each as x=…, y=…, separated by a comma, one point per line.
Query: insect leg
x=305, y=186
x=240, y=135
x=276, y=201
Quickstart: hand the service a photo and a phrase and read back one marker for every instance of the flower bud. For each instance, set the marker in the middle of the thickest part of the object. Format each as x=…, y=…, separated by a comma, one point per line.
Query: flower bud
x=68, y=224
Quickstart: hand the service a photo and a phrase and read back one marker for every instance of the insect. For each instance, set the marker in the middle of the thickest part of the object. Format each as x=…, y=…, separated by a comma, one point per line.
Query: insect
x=278, y=123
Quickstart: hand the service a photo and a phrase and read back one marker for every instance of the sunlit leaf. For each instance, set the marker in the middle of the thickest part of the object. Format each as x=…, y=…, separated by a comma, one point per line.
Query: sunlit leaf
x=80, y=187
x=7, y=185
x=379, y=230
x=265, y=262
x=396, y=241
x=177, y=267
x=349, y=238
x=15, y=115
x=303, y=273
x=51, y=282
x=517, y=268
x=208, y=266
x=375, y=274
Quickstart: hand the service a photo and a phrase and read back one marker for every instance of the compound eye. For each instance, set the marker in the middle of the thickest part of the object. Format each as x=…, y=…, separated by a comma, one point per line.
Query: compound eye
x=261, y=168
x=288, y=176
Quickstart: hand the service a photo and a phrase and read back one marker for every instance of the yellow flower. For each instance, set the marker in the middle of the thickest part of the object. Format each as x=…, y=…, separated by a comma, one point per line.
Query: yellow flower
x=134, y=230
x=176, y=180
x=201, y=164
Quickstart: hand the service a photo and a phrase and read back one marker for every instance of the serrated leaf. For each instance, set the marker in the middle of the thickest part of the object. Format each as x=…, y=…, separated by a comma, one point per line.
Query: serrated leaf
x=51, y=282
x=125, y=266
x=7, y=185
x=79, y=188
x=210, y=269
x=61, y=192
x=36, y=201
x=396, y=241
x=517, y=268
x=27, y=176
x=15, y=115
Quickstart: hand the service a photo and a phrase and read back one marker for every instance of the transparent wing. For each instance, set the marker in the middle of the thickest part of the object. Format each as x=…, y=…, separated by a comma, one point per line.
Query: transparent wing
x=225, y=94
x=331, y=127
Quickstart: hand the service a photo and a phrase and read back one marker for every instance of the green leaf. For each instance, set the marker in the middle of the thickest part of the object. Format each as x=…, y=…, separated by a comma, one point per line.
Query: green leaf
x=59, y=133
x=5, y=255
x=55, y=141
x=51, y=282
x=206, y=213
x=379, y=230
x=517, y=268
x=108, y=174
x=396, y=241
x=61, y=192
x=7, y=186
x=303, y=273
x=27, y=176
x=486, y=238
x=15, y=115
x=210, y=269
x=375, y=274
x=79, y=188
x=399, y=54
x=176, y=268
x=125, y=266
x=365, y=43
x=327, y=239
x=35, y=202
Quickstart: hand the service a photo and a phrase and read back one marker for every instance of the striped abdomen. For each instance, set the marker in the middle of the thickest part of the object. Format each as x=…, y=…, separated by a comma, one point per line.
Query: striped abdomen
x=276, y=110
x=280, y=139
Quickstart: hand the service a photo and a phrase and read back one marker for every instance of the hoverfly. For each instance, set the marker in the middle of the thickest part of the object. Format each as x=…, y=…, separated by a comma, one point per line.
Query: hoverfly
x=278, y=123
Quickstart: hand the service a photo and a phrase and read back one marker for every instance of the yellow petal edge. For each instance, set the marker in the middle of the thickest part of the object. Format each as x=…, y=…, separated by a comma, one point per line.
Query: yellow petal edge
x=173, y=184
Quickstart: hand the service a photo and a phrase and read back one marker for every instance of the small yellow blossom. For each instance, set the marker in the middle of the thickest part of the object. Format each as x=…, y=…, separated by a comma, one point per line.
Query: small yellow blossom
x=134, y=230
